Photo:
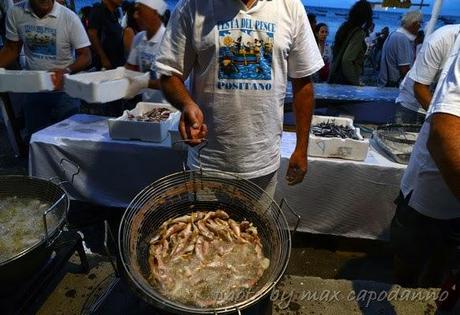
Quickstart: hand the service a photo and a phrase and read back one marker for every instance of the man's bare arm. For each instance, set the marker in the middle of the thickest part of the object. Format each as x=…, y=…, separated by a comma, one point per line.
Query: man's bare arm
x=303, y=109
x=174, y=90
x=9, y=53
x=423, y=94
x=444, y=146
x=97, y=46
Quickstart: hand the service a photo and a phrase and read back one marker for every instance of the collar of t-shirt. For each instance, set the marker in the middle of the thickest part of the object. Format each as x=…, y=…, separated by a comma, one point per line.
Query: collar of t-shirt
x=54, y=12
x=407, y=33
x=157, y=37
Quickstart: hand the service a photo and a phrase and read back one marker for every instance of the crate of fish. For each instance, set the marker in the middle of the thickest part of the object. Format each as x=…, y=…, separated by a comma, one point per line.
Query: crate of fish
x=147, y=122
x=100, y=86
x=336, y=137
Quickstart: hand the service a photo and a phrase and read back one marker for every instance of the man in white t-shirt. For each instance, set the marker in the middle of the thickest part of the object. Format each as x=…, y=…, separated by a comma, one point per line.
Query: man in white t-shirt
x=145, y=47
x=54, y=40
x=239, y=55
x=426, y=224
x=415, y=91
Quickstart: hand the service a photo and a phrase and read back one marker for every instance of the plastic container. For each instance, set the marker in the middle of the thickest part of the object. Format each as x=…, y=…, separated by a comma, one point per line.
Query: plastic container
x=349, y=149
x=25, y=81
x=101, y=86
x=123, y=129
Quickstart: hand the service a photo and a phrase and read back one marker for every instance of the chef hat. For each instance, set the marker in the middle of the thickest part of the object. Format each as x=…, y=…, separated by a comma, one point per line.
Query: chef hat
x=158, y=5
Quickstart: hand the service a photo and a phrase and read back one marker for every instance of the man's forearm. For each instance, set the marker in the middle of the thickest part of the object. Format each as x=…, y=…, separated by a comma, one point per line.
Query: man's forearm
x=96, y=44
x=423, y=94
x=8, y=54
x=174, y=90
x=403, y=70
x=303, y=110
x=154, y=84
x=444, y=146
x=82, y=61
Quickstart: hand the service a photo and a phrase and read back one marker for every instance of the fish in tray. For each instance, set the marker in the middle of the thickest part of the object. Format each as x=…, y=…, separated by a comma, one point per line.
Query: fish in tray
x=331, y=130
x=206, y=259
x=154, y=115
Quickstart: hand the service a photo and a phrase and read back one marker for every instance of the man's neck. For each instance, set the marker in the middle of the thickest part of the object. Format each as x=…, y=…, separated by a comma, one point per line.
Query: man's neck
x=249, y=3
x=109, y=5
x=40, y=14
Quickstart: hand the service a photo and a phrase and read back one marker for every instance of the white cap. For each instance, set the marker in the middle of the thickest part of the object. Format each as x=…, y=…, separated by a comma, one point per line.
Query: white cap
x=159, y=5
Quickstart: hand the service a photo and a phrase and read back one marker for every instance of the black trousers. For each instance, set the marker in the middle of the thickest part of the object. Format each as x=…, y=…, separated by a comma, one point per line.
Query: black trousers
x=424, y=247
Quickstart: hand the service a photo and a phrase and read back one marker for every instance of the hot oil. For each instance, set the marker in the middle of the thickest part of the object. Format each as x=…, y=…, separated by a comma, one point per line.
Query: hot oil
x=21, y=224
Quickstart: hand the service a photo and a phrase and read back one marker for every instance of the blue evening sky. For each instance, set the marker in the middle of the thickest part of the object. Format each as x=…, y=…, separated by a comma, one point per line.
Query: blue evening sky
x=449, y=7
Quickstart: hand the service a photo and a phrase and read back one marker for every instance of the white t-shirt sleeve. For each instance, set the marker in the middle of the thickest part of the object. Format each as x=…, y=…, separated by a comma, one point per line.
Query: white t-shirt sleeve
x=133, y=53
x=11, y=27
x=447, y=96
x=304, y=57
x=78, y=37
x=429, y=60
x=176, y=55
x=404, y=54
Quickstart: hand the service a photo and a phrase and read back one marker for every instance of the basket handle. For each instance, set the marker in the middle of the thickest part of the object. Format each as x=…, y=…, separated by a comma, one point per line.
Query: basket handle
x=57, y=180
x=108, y=234
x=298, y=217
x=45, y=214
x=204, y=143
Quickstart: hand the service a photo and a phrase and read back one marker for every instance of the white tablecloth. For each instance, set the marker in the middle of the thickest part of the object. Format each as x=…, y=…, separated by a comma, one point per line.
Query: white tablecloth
x=337, y=197
x=342, y=197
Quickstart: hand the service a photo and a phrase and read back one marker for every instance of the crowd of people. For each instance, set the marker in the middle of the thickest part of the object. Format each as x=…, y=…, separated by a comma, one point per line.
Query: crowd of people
x=237, y=57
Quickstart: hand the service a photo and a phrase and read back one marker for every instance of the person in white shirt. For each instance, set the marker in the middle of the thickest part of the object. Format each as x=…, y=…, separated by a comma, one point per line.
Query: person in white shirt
x=54, y=40
x=146, y=45
x=415, y=91
x=426, y=225
x=398, y=51
x=239, y=55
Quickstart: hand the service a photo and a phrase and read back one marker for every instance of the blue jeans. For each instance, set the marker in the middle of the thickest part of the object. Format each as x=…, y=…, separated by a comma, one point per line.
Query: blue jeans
x=44, y=109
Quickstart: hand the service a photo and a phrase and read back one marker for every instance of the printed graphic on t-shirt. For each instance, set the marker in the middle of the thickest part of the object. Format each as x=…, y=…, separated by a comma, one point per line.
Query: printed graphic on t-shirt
x=245, y=53
x=41, y=41
x=146, y=59
x=19, y=3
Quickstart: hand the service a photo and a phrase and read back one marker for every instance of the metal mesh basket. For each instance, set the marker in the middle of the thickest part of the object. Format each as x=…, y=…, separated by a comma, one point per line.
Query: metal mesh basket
x=182, y=193
x=397, y=140
x=43, y=190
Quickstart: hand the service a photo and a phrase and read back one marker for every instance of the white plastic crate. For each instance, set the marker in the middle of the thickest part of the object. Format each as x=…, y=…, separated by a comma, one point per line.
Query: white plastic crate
x=25, y=81
x=101, y=86
x=349, y=149
x=123, y=129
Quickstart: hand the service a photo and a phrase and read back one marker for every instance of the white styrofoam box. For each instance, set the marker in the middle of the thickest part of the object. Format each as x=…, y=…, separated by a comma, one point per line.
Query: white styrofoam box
x=100, y=86
x=176, y=139
x=25, y=81
x=123, y=129
x=349, y=149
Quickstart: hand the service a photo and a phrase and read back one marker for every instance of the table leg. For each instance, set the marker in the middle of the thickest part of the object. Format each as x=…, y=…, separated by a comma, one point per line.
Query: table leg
x=12, y=127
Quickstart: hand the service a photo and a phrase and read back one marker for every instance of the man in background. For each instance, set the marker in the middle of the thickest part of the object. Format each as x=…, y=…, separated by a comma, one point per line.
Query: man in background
x=54, y=40
x=398, y=51
x=106, y=35
x=416, y=89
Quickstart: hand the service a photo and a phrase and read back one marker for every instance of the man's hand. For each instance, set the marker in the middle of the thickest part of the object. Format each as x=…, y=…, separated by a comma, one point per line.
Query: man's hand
x=136, y=84
x=298, y=165
x=57, y=77
x=191, y=125
x=106, y=64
